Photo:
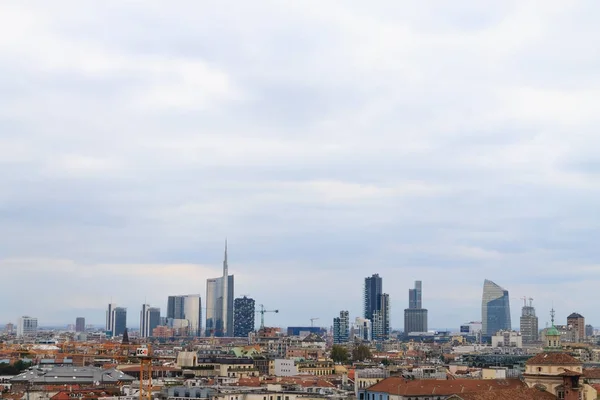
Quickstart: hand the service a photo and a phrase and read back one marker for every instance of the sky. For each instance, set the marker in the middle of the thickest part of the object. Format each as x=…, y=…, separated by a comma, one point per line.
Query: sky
x=447, y=142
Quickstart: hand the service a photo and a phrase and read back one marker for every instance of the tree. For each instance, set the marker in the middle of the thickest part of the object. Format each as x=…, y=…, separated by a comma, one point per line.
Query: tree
x=361, y=353
x=339, y=354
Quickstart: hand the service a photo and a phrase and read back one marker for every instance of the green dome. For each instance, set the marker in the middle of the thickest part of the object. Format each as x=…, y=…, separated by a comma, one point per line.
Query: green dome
x=553, y=331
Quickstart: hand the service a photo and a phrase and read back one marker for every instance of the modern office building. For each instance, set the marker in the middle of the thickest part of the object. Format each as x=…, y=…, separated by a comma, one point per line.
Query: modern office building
x=495, y=309
x=109, y=317
x=244, y=312
x=576, y=324
x=381, y=318
x=372, y=292
x=529, y=323
x=415, y=296
x=80, y=324
x=219, y=303
x=415, y=316
x=341, y=328
x=27, y=326
x=118, y=320
x=589, y=331
x=149, y=319
x=192, y=313
x=175, y=307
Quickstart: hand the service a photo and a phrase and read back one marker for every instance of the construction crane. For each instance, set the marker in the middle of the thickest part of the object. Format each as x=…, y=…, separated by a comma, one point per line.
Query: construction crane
x=524, y=298
x=312, y=321
x=262, y=312
x=530, y=302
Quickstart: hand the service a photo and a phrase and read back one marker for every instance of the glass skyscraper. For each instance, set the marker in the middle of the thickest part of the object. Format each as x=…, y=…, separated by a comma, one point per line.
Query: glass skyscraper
x=373, y=291
x=495, y=309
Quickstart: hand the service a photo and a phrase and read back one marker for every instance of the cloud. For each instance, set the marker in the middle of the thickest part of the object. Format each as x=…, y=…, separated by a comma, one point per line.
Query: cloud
x=327, y=141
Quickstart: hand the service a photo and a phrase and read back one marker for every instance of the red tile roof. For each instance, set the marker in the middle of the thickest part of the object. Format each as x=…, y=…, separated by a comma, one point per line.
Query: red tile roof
x=553, y=359
x=592, y=373
x=404, y=387
x=512, y=394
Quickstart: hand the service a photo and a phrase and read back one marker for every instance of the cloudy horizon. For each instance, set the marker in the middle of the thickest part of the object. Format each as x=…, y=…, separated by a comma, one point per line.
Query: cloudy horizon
x=327, y=141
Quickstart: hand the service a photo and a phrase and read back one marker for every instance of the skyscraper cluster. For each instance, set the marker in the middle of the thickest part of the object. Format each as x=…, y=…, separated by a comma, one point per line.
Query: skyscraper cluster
x=224, y=315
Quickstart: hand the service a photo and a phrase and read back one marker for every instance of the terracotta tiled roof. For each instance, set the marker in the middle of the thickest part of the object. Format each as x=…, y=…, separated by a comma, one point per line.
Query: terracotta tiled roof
x=512, y=394
x=592, y=373
x=568, y=372
x=404, y=387
x=553, y=359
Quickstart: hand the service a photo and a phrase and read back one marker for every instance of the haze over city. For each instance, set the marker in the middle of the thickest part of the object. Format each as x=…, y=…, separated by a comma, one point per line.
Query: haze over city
x=447, y=142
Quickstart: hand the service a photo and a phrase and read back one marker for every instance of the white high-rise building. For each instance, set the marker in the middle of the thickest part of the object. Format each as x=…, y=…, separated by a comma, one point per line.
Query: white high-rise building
x=109, y=316
x=192, y=313
x=362, y=329
x=219, y=303
x=27, y=326
x=149, y=319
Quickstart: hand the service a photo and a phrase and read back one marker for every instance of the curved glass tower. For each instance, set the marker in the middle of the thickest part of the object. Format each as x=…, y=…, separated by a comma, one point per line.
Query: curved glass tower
x=495, y=309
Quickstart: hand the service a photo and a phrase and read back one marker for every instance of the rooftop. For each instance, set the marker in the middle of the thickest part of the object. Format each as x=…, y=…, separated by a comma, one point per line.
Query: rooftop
x=401, y=386
x=553, y=359
x=513, y=394
x=70, y=374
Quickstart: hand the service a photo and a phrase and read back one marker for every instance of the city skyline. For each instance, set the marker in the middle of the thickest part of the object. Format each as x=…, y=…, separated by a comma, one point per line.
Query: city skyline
x=449, y=143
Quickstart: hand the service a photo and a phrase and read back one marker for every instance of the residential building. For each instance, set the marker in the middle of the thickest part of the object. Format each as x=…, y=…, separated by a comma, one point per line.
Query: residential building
x=529, y=324
x=341, y=328
x=362, y=330
x=27, y=326
x=244, y=312
x=495, y=309
x=576, y=323
x=219, y=303
x=284, y=367
x=80, y=324
x=372, y=293
x=149, y=319
x=507, y=339
x=381, y=319
x=415, y=316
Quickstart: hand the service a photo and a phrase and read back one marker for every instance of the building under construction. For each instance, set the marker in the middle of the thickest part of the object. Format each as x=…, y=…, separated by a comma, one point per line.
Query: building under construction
x=529, y=322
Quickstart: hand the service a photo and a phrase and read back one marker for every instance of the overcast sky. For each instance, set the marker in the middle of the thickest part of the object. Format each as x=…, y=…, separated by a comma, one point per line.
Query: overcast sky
x=327, y=140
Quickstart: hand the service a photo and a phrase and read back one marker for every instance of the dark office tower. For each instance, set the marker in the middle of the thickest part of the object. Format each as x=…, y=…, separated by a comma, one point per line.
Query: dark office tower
x=341, y=328
x=495, y=309
x=373, y=289
x=119, y=321
x=243, y=316
x=149, y=319
x=381, y=318
x=80, y=324
x=415, y=317
x=175, y=307
x=529, y=323
x=414, y=296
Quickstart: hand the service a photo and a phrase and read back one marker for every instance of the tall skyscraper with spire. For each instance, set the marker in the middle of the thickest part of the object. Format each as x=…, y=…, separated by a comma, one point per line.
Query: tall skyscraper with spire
x=219, y=303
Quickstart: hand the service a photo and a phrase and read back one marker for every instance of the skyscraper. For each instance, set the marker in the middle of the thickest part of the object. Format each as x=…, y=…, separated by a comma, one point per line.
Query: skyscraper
x=109, y=317
x=362, y=329
x=341, y=328
x=529, y=323
x=381, y=318
x=118, y=320
x=149, y=319
x=372, y=292
x=80, y=324
x=192, y=313
x=415, y=317
x=243, y=320
x=219, y=303
x=175, y=307
x=414, y=296
x=495, y=309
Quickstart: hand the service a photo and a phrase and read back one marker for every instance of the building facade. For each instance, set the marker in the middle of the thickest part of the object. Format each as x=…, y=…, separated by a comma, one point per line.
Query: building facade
x=495, y=309
x=576, y=323
x=175, y=307
x=27, y=326
x=381, y=319
x=529, y=324
x=341, y=328
x=192, y=313
x=362, y=330
x=80, y=324
x=109, y=317
x=119, y=321
x=149, y=319
x=372, y=292
x=244, y=311
x=415, y=316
